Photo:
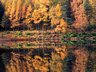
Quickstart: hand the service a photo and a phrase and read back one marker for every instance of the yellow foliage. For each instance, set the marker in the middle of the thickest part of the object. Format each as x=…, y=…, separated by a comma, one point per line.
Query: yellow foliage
x=19, y=2
x=45, y=2
x=36, y=16
x=40, y=64
x=55, y=21
x=55, y=14
x=40, y=13
x=62, y=51
x=93, y=12
x=12, y=11
x=55, y=11
x=36, y=64
x=56, y=66
x=38, y=57
x=36, y=11
x=23, y=10
x=63, y=23
x=58, y=10
x=92, y=2
x=43, y=69
x=62, y=26
x=29, y=11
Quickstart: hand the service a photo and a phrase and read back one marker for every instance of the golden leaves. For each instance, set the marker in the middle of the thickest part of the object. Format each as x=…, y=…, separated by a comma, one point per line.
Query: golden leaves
x=39, y=10
x=45, y=2
x=55, y=64
x=29, y=11
x=55, y=11
x=55, y=21
x=38, y=57
x=55, y=14
x=40, y=64
x=26, y=62
x=19, y=2
x=93, y=11
x=40, y=14
x=58, y=10
x=63, y=23
x=62, y=51
x=36, y=16
x=62, y=26
x=92, y=2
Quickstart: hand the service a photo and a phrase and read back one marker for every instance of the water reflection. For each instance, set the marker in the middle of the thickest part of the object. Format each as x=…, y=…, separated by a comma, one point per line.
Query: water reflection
x=48, y=51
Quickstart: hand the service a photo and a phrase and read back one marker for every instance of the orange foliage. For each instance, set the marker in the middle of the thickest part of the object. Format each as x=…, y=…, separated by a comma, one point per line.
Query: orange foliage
x=79, y=13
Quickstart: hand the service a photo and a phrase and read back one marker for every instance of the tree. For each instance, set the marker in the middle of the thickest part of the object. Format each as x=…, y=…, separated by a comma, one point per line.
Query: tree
x=6, y=23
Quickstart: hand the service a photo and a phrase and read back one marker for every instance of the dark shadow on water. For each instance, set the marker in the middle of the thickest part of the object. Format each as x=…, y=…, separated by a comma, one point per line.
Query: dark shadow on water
x=90, y=67
x=2, y=66
x=70, y=62
x=90, y=28
x=31, y=52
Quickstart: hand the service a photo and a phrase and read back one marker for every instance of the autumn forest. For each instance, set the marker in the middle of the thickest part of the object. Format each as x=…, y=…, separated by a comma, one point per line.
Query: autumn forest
x=47, y=35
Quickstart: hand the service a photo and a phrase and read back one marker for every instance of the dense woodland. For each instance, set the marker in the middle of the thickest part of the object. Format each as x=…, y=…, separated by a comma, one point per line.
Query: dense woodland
x=20, y=19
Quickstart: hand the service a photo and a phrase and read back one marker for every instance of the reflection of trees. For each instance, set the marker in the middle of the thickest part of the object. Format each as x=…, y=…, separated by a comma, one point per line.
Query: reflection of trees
x=2, y=66
x=81, y=60
x=91, y=64
x=46, y=15
x=32, y=61
x=57, y=60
